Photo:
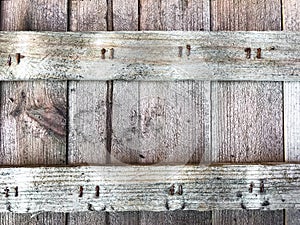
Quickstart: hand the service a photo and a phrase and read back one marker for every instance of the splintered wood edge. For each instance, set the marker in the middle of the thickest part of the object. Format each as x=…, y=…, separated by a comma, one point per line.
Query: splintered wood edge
x=150, y=188
x=150, y=56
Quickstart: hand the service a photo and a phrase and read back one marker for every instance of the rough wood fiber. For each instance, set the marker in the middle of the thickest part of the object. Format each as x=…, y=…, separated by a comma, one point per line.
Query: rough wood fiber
x=149, y=188
x=87, y=15
x=33, y=123
x=159, y=122
x=87, y=122
x=245, y=15
x=150, y=56
x=175, y=15
x=86, y=218
x=38, y=15
x=32, y=219
x=247, y=122
x=177, y=217
x=43, y=140
x=252, y=217
x=125, y=15
x=292, y=217
x=291, y=16
x=124, y=218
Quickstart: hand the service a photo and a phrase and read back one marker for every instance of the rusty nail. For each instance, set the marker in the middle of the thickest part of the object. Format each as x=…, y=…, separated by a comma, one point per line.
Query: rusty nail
x=262, y=186
x=9, y=60
x=16, y=191
x=172, y=190
x=6, y=190
x=180, y=190
x=18, y=57
x=97, y=191
x=111, y=53
x=80, y=191
x=248, y=53
x=103, y=51
x=180, y=51
x=188, y=47
x=251, y=187
x=258, y=53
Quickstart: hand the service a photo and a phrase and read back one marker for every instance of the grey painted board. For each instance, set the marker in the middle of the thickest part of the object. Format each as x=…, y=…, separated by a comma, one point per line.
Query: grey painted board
x=150, y=56
x=161, y=122
x=150, y=188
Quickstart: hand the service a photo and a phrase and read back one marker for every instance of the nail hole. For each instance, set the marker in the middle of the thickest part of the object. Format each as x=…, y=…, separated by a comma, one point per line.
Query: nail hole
x=9, y=60
x=6, y=190
x=251, y=187
x=188, y=47
x=16, y=191
x=180, y=190
x=262, y=186
x=103, y=51
x=248, y=53
x=80, y=191
x=180, y=51
x=97, y=189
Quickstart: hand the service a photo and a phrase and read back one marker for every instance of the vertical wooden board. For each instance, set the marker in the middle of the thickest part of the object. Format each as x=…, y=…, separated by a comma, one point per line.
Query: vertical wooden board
x=175, y=15
x=87, y=15
x=33, y=123
x=28, y=219
x=124, y=218
x=125, y=15
x=38, y=15
x=87, y=122
x=291, y=15
x=176, y=218
x=161, y=122
x=292, y=217
x=247, y=122
x=248, y=217
x=87, y=218
x=246, y=15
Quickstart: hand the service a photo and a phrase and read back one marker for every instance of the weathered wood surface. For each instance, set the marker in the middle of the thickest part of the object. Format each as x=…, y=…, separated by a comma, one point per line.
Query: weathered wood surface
x=175, y=15
x=291, y=16
x=150, y=56
x=125, y=15
x=247, y=122
x=139, y=188
x=160, y=122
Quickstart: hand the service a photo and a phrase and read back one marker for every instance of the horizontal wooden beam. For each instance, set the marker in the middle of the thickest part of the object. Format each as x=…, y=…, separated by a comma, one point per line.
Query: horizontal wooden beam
x=152, y=188
x=150, y=56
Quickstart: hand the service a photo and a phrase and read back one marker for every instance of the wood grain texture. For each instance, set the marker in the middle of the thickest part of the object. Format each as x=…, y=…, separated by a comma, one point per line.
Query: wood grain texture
x=160, y=122
x=88, y=218
x=34, y=219
x=124, y=218
x=38, y=15
x=125, y=15
x=33, y=123
x=150, y=56
x=87, y=122
x=149, y=188
x=87, y=15
x=175, y=15
x=177, y=217
x=249, y=217
x=35, y=131
x=244, y=15
x=291, y=121
x=247, y=122
x=292, y=217
x=291, y=17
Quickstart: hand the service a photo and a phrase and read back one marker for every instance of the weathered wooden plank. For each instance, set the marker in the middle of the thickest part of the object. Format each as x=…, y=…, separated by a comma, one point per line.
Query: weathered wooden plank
x=38, y=15
x=87, y=15
x=291, y=18
x=175, y=15
x=125, y=15
x=159, y=122
x=33, y=123
x=245, y=15
x=32, y=219
x=250, y=217
x=87, y=122
x=150, y=188
x=139, y=56
x=292, y=217
x=124, y=218
x=90, y=218
x=177, y=217
x=247, y=122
